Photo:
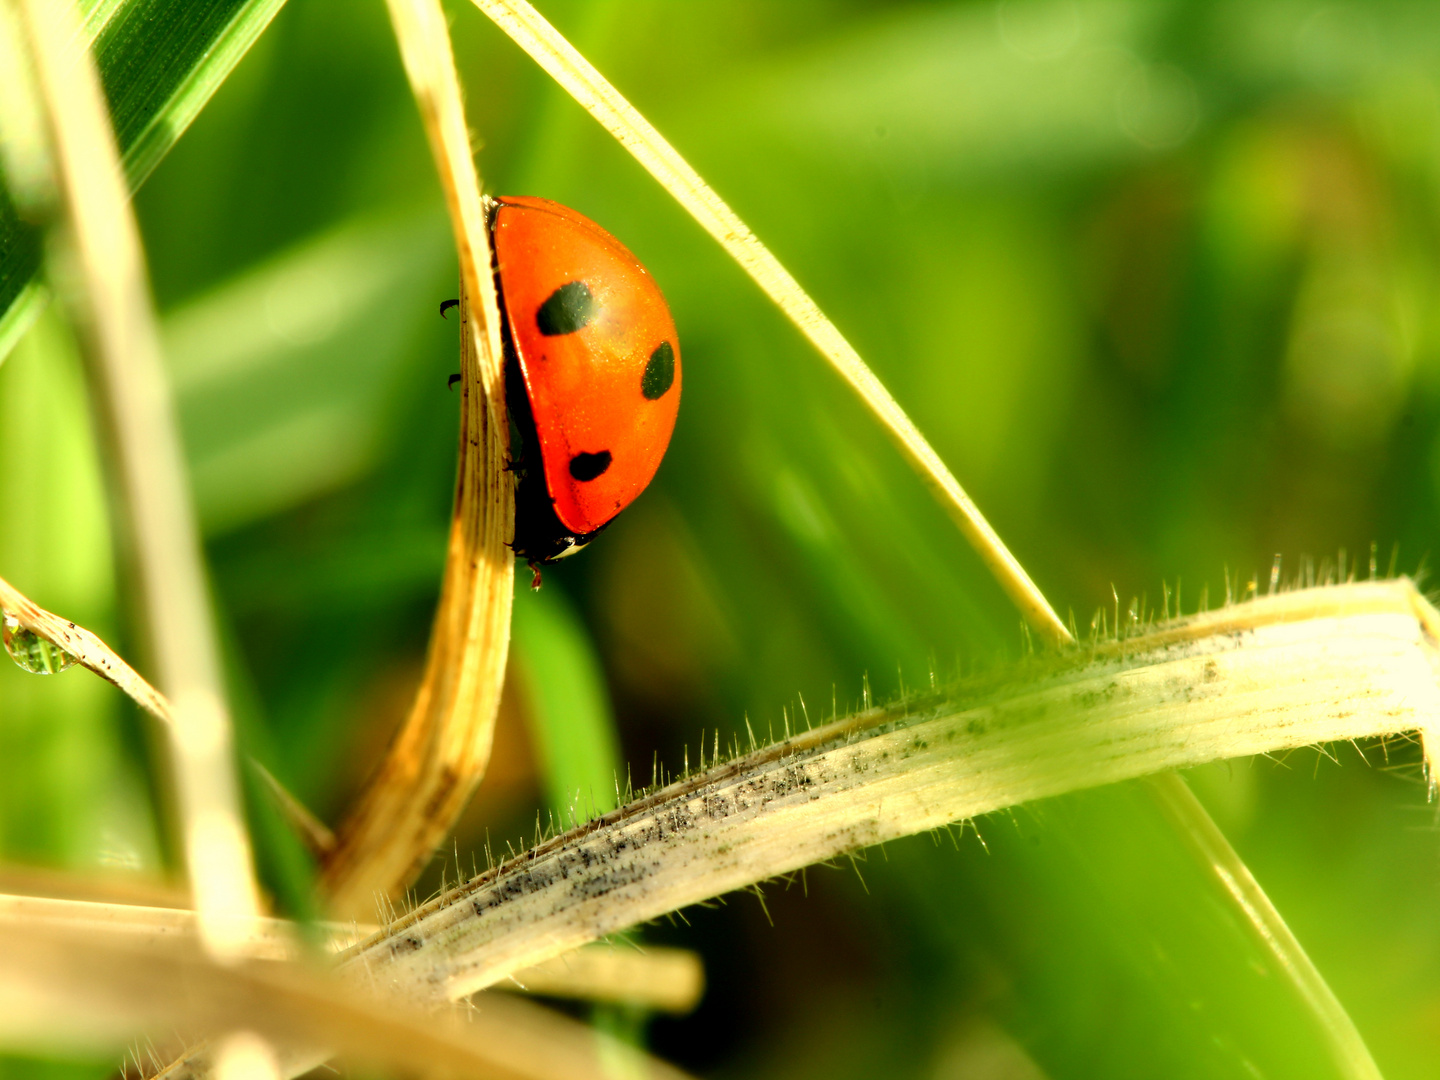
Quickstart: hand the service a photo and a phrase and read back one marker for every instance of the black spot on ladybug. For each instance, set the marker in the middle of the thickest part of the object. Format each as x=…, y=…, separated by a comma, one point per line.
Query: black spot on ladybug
x=570, y=307
x=659, y=372
x=589, y=466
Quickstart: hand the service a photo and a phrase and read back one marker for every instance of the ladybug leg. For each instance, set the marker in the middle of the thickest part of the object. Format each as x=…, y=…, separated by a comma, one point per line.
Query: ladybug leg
x=535, y=581
x=446, y=305
x=453, y=380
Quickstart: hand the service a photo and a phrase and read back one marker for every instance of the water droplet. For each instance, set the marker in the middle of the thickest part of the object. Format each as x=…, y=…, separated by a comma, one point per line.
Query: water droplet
x=33, y=652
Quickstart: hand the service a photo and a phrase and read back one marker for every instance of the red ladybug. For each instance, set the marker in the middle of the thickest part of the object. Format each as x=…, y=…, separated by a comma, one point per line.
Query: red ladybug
x=593, y=373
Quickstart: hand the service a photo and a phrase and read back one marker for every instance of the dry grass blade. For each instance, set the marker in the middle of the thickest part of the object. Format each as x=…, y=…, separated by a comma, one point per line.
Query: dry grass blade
x=671, y=980
x=442, y=750
x=87, y=649
x=121, y=346
x=109, y=886
x=144, y=927
x=588, y=87
x=86, y=986
x=1341, y=662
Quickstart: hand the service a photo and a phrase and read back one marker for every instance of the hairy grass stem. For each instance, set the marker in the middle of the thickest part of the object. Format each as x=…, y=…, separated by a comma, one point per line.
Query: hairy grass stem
x=1292, y=670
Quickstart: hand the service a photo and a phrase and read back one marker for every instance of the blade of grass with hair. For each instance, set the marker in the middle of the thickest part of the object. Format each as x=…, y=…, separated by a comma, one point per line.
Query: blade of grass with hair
x=1291, y=670
x=160, y=63
x=1280, y=672
x=440, y=754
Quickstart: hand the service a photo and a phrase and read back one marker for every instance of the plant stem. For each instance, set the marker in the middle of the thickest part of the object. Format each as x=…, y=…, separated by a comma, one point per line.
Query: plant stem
x=89, y=988
x=121, y=345
x=87, y=649
x=442, y=750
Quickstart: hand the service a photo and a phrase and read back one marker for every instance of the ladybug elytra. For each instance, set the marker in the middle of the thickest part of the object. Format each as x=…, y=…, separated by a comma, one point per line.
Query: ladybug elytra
x=593, y=373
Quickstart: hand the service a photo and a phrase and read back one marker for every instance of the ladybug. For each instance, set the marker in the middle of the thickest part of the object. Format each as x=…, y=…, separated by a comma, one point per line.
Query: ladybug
x=592, y=373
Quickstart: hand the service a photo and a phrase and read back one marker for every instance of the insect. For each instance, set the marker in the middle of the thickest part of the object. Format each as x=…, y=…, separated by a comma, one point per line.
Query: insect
x=593, y=373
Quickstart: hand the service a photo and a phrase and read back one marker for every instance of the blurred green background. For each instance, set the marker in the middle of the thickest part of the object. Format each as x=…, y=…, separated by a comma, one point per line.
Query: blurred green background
x=1159, y=281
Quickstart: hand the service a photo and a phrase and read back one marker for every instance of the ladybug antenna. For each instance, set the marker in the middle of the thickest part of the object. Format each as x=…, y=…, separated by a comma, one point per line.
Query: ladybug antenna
x=535, y=581
x=446, y=305
x=453, y=380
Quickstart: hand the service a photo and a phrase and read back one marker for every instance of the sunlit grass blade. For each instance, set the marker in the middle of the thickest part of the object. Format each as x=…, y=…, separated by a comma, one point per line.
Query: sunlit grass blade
x=160, y=64
x=1346, y=1048
x=21, y=315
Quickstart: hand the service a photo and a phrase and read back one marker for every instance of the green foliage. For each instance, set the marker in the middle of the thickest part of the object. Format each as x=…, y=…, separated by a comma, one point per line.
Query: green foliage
x=1158, y=280
x=572, y=728
x=160, y=61
x=76, y=800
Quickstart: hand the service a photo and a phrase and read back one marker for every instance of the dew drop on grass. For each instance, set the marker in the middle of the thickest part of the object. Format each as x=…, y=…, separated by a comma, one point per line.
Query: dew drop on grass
x=33, y=652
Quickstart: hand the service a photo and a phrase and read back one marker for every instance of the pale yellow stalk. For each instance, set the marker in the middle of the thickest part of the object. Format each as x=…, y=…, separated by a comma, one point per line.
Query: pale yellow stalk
x=75, y=987
x=670, y=980
x=121, y=345
x=441, y=752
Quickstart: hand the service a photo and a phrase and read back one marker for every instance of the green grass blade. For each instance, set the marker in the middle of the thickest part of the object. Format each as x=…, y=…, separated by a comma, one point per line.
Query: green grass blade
x=160, y=61
x=568, y=704
x=16, y=321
